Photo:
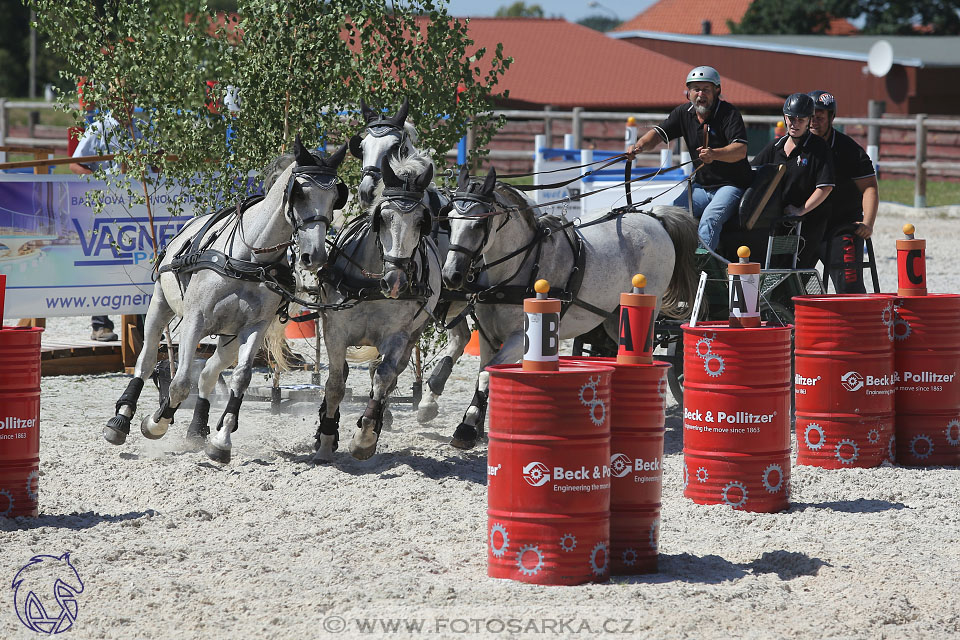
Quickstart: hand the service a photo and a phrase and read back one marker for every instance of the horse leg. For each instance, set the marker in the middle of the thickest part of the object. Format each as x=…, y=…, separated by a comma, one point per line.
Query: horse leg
x=457, y=339
x=387, y=414
x=155, y=426
x=471, y=427
x=218, y=445
x=158, y=315
x=397, y=354
x=224, y=356
x=328, y=431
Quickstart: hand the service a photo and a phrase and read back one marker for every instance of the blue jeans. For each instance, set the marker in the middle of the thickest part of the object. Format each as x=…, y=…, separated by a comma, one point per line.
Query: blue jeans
x=713, y=206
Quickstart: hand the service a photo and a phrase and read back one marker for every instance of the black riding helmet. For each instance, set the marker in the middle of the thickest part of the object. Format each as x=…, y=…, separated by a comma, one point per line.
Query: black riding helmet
x=824, y=100
x=799, y=105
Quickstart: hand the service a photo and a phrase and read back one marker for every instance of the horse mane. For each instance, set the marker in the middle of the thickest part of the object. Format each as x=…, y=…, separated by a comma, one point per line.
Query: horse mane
x=409, y=167
x=273, y=170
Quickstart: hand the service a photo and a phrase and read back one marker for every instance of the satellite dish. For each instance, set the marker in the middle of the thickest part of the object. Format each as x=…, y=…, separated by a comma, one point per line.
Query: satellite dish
x=880, y=58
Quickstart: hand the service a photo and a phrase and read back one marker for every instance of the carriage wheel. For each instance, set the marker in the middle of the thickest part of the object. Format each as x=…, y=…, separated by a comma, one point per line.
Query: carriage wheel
x=675, y=373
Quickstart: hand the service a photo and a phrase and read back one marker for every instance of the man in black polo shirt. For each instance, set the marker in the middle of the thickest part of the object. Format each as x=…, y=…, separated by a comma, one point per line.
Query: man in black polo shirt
x=853, y=201
x=714, y=132
x=808, y=176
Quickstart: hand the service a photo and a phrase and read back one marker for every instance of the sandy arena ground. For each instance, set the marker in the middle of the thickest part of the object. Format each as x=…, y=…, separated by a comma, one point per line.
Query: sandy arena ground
x=169, y=544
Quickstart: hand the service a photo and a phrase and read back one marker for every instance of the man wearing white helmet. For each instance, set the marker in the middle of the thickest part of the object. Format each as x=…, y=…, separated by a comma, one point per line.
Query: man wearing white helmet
x=715, y=135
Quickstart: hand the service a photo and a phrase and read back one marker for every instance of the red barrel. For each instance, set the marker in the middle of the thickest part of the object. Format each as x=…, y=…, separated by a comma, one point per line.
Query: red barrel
x=548, y=474
x=639, y=395
x=19, y=420
x=736, y=416
x=844, y=380
x=927, y=357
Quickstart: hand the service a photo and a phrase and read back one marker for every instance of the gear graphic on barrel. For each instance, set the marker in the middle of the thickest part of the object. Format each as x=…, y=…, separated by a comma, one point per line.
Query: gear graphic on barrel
x=813, y=446
x=873, y=436
x=892, y=449
x=703, y=342
x=725, y=494
x=592, y=385
x=599, y=569
x=594, y=418
x=853, y=456
x=33, y=485
x=629, y=557
x=953, y=432
x=886, y=316
x=662, y=389
x=654, y=533
x=713, y=365
x=9, y=501
x=901, y=329
x=525, y=549
x=568, y=542
x=619, y=465
x=702, y=475
x=921, y=437
x=773, y=488
x=502, y=549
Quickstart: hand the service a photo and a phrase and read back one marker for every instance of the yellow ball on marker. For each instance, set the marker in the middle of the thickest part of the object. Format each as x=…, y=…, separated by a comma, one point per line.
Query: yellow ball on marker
x=743, y=252
x=909, y=229
x=631, y=121
x=541, y=286
x=639, y=281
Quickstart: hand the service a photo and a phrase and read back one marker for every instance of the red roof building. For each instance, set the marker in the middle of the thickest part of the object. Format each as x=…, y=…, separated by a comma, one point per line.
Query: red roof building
x=567, y=65
x=688, y=16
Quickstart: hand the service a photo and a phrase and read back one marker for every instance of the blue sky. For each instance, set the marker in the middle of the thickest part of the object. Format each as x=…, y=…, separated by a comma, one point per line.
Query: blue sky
x=572, y=10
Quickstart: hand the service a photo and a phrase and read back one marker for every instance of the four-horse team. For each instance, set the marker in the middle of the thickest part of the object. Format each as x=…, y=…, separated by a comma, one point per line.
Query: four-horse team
x=422, y=256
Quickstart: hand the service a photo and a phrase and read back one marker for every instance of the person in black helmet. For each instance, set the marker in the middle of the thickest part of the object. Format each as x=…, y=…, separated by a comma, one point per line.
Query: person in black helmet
x=808, y=178
x=715, y=135
x=854, y=200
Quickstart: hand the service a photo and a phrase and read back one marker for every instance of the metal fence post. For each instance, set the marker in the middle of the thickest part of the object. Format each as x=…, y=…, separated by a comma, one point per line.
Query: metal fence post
x=875, y=109
x=3, y=128
x=577, y=128
x=920, y=189
x=547, y=127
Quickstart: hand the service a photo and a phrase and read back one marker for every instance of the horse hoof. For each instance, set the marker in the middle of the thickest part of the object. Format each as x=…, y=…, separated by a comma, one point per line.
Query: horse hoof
x=363, y=453
x=326, y=447
x=427, y=412
x=465, y=437
x=152, y=430
x=362, y=448
x=117, y=429
x=194, y=441
x=217, y=454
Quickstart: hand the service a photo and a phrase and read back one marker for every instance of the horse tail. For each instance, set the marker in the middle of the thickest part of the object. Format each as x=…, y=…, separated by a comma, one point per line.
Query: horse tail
x=275, y=343
x=682, y=229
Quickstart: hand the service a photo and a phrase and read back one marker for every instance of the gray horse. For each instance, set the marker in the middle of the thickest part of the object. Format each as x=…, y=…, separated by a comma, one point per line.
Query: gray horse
x=490, y=234
x=225, y=274
x=385, y=134
x=388, y=264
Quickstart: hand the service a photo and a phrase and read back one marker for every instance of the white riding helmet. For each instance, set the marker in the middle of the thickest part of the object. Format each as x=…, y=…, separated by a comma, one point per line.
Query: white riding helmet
x=704, y=74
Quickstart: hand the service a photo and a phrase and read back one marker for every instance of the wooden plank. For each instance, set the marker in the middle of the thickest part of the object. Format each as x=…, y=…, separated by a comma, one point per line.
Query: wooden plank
x=32, y=322
x=766, y=197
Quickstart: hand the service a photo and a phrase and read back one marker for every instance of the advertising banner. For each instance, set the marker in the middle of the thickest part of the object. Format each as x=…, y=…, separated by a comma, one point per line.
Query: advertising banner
x=61, y=258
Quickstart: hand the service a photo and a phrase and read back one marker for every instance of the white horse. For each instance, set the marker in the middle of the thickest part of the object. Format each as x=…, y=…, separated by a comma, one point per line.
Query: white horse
x=589, y=265
x=226, y=274
x=386, y=134
x=388, y=264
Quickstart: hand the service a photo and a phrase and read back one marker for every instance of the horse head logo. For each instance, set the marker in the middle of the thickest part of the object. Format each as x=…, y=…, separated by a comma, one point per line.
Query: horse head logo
x=45, y=594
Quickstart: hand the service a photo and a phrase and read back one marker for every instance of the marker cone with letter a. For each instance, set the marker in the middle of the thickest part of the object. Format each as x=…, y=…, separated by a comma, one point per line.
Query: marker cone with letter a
x=541, y=330
x=636, y=324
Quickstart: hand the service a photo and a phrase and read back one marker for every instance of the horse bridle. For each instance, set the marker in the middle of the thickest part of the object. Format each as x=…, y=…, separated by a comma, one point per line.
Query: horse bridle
x=378, y=128
x=463, y=201
x=405, y=201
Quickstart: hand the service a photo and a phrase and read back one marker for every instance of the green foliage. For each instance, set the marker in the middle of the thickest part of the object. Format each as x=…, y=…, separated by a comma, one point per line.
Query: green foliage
x=599, y=23
x=520, y=10
x=783, y=17
x=15, y=53
x=297, y=66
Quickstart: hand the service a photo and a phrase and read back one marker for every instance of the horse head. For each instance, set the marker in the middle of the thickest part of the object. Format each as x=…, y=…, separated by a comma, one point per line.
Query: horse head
x=382, y=133
x=401, y=216
x=471, y=226
x=313, y=193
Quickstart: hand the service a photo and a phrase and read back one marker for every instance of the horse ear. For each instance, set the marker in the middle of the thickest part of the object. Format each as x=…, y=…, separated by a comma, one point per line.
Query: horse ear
x=390, y=179
x=401, y=116
x=368, y=113
x=463, y=180
x=424, y=180
x=334, y=161
x=301, y=153
x=490, y=182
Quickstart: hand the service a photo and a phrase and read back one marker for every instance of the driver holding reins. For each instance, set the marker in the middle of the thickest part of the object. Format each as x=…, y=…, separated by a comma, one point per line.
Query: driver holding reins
x=715, y=135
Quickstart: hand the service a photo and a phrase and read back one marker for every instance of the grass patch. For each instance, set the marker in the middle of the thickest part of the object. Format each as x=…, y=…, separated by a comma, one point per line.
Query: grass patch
x=939, y=193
